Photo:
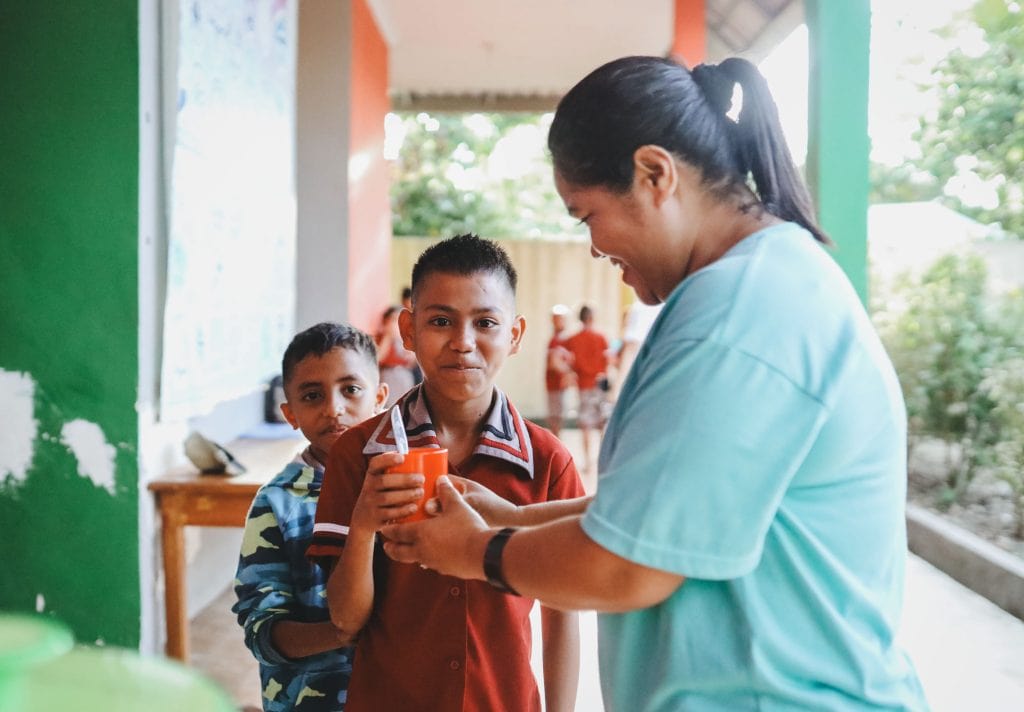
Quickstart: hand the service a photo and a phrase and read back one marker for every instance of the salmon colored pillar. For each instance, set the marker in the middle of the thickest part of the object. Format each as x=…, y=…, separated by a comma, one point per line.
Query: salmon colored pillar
x=369, y=213
x=689, y=40
x=343, y=270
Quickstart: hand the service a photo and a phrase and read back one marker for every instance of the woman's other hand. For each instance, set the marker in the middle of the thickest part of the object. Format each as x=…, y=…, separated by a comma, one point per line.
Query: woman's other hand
x=451, y=542
x=495, y=510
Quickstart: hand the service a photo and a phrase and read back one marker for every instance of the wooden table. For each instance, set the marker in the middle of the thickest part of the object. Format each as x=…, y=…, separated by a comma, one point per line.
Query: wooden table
x=186, y=497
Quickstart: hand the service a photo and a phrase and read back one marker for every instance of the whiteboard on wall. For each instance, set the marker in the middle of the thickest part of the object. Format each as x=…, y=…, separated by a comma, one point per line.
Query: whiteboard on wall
x=230, y=295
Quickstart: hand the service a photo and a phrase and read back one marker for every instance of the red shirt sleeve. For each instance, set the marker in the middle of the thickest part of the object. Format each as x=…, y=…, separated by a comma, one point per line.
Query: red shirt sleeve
x=567, y=483
x=563, y=479
x=344, y=472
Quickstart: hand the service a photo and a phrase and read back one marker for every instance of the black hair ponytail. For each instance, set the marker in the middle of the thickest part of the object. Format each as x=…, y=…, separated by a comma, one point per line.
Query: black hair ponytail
x=636, y=101
x=760, y=144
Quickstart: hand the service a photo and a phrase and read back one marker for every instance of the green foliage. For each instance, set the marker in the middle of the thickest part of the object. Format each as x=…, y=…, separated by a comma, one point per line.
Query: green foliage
x=901, y=184
x=979, y=125
x=483, y=173
x=1004, y=384
x=942, y=343
x=959, y=353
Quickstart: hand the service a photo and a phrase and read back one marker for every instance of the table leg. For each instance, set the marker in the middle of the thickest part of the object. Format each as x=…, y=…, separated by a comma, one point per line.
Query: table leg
x=173, y=540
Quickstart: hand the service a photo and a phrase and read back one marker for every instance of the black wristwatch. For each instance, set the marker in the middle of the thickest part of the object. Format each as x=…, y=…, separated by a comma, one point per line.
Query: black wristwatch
x=492, y=560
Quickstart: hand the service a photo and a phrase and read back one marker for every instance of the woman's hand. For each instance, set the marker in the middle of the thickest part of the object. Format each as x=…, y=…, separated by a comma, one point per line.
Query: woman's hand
x=495, y=510
x=386, y=496
x=452, y=542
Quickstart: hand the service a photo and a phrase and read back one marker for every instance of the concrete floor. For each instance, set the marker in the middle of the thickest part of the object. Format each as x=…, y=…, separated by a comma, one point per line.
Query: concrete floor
x=969, y=653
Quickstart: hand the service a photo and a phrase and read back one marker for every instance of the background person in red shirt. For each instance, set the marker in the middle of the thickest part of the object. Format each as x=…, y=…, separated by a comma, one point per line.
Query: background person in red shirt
x=589, y=349
x=558, y=374
x=396, y=362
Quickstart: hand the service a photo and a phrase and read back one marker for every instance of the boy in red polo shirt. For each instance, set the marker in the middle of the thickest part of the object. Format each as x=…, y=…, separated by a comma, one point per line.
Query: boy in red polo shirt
x=427, y=641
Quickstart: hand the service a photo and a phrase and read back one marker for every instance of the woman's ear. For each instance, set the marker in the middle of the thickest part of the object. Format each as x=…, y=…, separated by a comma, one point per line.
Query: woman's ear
x=655, y=171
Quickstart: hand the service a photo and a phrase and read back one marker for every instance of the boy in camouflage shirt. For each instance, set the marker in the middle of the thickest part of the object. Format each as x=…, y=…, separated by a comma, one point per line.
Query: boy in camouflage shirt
x=331, y=382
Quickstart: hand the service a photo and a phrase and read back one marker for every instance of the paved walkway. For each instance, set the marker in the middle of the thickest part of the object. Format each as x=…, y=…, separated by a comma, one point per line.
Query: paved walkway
x=969, y=652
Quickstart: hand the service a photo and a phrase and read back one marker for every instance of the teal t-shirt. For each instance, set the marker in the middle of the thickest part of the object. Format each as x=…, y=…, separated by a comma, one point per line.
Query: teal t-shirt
x=758, y=448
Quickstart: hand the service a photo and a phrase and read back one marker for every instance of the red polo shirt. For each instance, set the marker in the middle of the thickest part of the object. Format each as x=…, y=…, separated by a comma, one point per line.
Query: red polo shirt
x=554, y=379
x=435, y=642
x=590, y=359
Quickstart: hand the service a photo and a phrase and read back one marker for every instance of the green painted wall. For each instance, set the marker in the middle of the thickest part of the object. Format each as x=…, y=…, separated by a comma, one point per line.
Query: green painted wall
x=838, y=146
x=69, y=159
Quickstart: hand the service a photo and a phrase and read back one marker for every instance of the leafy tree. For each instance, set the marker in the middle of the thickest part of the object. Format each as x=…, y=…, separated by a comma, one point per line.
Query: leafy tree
x=901, y=184
x=1004, y=386
x=943, y=343
x=979, y=125
x=483, y=173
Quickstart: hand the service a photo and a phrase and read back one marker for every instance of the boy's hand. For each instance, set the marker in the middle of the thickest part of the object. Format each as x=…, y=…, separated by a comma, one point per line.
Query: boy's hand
x=451, y=543
x=386, y=496
x=497, y=512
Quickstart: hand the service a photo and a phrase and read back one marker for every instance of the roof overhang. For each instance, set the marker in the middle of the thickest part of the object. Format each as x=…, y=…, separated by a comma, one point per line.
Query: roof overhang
x=493, y=55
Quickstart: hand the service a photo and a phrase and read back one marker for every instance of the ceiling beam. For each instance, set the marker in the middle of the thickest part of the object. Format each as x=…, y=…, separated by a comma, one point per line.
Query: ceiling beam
x=482, y=102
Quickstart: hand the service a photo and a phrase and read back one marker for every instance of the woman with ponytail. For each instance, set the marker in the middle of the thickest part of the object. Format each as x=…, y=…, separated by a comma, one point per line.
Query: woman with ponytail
x=746, y=543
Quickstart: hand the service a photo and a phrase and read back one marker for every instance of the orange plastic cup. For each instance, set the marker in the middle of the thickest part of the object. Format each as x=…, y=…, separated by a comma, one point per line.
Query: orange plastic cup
x=431, y=462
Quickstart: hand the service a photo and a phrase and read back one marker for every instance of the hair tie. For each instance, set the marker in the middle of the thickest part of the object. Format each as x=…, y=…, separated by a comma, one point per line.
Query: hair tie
x=716, y=86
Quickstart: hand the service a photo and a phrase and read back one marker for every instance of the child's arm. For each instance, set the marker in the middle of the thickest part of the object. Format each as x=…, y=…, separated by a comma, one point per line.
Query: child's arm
x=298, y=640
x=561, y=657
x=384, y=497
x=350, y=586
x=264, y=585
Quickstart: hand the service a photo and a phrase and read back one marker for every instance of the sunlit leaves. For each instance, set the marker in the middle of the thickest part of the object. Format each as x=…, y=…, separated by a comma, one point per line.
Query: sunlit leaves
x=483, y=173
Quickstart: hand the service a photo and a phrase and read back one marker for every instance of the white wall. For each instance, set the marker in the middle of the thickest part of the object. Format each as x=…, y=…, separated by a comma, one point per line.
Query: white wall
x=212, y=552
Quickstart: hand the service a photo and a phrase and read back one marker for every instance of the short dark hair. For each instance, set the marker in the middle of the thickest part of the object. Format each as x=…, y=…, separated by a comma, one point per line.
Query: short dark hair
x=586, y=313
x=321, y=338
x=464, y=255
x=637, y=101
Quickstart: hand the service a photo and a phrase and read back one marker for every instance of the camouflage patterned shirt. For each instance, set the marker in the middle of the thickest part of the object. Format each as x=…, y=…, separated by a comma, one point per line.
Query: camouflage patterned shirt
x=275, y=582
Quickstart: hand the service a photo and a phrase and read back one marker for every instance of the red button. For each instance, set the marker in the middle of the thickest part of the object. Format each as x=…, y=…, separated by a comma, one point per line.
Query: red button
x=455, y=591
x=454, y=664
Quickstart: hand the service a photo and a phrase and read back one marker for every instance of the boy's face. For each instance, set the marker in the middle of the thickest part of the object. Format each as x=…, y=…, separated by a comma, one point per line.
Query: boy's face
x=329, y=393
x=462, y=328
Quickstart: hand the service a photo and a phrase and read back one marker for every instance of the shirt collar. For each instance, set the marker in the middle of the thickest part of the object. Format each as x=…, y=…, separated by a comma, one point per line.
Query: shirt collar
x=308, y=459
x=504, y=434
x=308, y=474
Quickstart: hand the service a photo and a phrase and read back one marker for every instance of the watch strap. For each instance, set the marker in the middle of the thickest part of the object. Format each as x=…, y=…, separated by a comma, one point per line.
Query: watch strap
x=492, y=561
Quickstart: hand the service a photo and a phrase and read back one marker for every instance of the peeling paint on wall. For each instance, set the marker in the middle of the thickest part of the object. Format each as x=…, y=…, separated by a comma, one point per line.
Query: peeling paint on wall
x=95, y=455
x=17, y=436
x=79, y=368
